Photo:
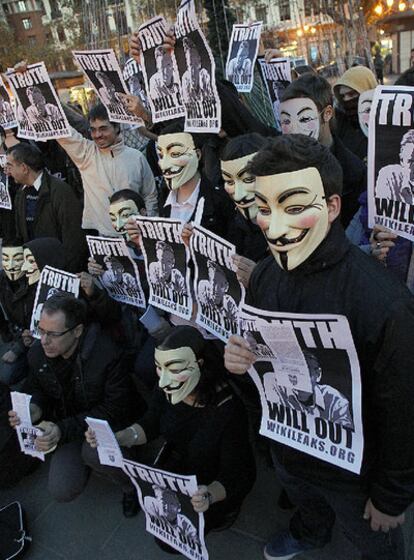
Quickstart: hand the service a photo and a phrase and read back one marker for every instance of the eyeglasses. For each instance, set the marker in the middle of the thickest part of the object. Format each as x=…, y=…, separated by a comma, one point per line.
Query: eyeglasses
x=43, y=333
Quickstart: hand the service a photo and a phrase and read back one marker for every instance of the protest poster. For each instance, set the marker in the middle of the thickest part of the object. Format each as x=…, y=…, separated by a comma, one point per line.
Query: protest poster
x=24, y=128
x=26, y=432
x=391, y=160
x=160, y=71
x=276, y=76
x=120, y=277
x=197, y=70
x=308, y=377
x=7, y=116
x=5, y=199
x=217, y=290
x=52, y=281
x=241, y=58
x=166, y=263
x=104, y=73
x=165, y=499
x=108, y=449
x=38, y=102
x=134, y=79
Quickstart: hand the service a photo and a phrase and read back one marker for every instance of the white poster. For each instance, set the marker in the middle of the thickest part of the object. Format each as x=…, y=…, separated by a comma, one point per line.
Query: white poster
x=38, y=103
x=391, y=160
x=197, y=69
x=308, y=377
x=7, y=116
x=165, y=499
x=243, y=49
x=277, y=76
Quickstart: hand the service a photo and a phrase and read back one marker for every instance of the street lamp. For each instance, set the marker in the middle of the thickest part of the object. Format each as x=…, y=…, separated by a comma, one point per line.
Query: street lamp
x=378, y=9
x=390, y=3
x=402, y=6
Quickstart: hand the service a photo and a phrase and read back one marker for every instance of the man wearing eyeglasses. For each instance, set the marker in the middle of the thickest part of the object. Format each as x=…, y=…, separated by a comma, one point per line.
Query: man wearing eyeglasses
x=75, y=372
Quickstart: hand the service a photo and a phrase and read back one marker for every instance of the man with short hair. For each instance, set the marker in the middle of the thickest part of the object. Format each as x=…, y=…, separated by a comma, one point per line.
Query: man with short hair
x=313, y=269
x=162, y=83
x=75, y=371
x=45, y=206
x=240, y=67
x=196, y=80
x=106, y=165
x=307, y=108
x=39, y=110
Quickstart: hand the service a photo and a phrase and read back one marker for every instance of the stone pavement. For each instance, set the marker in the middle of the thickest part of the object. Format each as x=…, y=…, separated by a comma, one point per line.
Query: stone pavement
x=93, y=528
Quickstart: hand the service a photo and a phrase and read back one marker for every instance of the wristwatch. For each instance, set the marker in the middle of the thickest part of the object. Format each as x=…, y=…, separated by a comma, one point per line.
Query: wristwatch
x=136, y=436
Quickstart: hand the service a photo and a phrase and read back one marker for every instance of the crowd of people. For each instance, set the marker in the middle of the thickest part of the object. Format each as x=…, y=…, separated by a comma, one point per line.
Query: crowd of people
x=294, y=205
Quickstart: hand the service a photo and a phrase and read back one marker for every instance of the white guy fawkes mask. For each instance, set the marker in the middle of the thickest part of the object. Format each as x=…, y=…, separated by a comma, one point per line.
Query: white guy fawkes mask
x=30, y=267
x=293, y=214
x=179, y=372
x=12, y=261
x=300, y=116
x=239, y=184
x=178, y=159
x=120, y=212
x=364, y=109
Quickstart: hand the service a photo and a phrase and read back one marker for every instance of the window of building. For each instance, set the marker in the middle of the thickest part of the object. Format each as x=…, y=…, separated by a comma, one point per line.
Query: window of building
x=27, y=23
x=261, y=13
x=21, y=6
x=284, y=10
x=312, y=6
x=31, y=41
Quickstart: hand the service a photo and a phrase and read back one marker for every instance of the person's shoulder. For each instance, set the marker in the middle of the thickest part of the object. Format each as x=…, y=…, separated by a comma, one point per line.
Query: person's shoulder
x=394, y=168
x=266, y=266
x=36, y=357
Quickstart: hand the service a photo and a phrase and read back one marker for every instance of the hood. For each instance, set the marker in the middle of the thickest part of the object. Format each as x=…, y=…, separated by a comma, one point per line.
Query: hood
x=359, y=78
x=48, y=251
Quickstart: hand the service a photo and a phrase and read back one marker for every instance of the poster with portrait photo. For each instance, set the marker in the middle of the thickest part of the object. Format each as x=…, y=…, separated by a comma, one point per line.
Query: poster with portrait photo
x=309, y=385
x=241, y=58
x=276, y=75
x=134, y=79
x=52, y=281
x=24, y=128
x=5, y=198
x=216, y=288
x=38, y=101
x=165, y=499
x=166, y=264
x=102, y=69
x=391, y=160
x=160, y=71
x=7, y=116
x=197, y=69
x=120, y=276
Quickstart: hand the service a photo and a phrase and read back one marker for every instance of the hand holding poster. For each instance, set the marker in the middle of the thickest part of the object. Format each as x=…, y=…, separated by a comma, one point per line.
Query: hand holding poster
x=7, y=116
x=160, y=72
x=197, y=69
x=243, y=49
x=277, y=76
x=52, y=281
x=165, y=498
x=391, y=160
x=37, y=99
x=5, y=199
x=109, y=452
x=308, y=377
x=120, y=277
x=103, y=71
x=216, y=287
x=166, y=262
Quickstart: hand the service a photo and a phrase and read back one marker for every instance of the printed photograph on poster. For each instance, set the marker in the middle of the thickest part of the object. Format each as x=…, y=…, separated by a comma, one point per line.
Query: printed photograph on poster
x=391, y=160
x=52, y=281
x=310, y=386
x=166, y=263
x=5, y=199
x=276, y=75
x=24, y=128
x=104, y=73
x=196, y=67
x=217, y=291
x=7, y=116
x=165, y=499
x=160, y=72
x=241, y=58
x=134, y=79
x=39, y=102
x=121, y=276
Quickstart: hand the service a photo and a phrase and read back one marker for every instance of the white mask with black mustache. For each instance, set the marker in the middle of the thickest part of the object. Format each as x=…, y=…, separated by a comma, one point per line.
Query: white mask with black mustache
x=293, y=214
x=178, y=371
x=178, y=158
x=240, y=184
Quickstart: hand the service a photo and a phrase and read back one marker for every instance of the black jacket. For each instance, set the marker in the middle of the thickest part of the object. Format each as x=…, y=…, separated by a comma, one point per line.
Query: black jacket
x=354, y=179
x=218, y=208
x=58, y=214
x=248, y=238
x=90, y=383
x=350, y=133
x=339, y=278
